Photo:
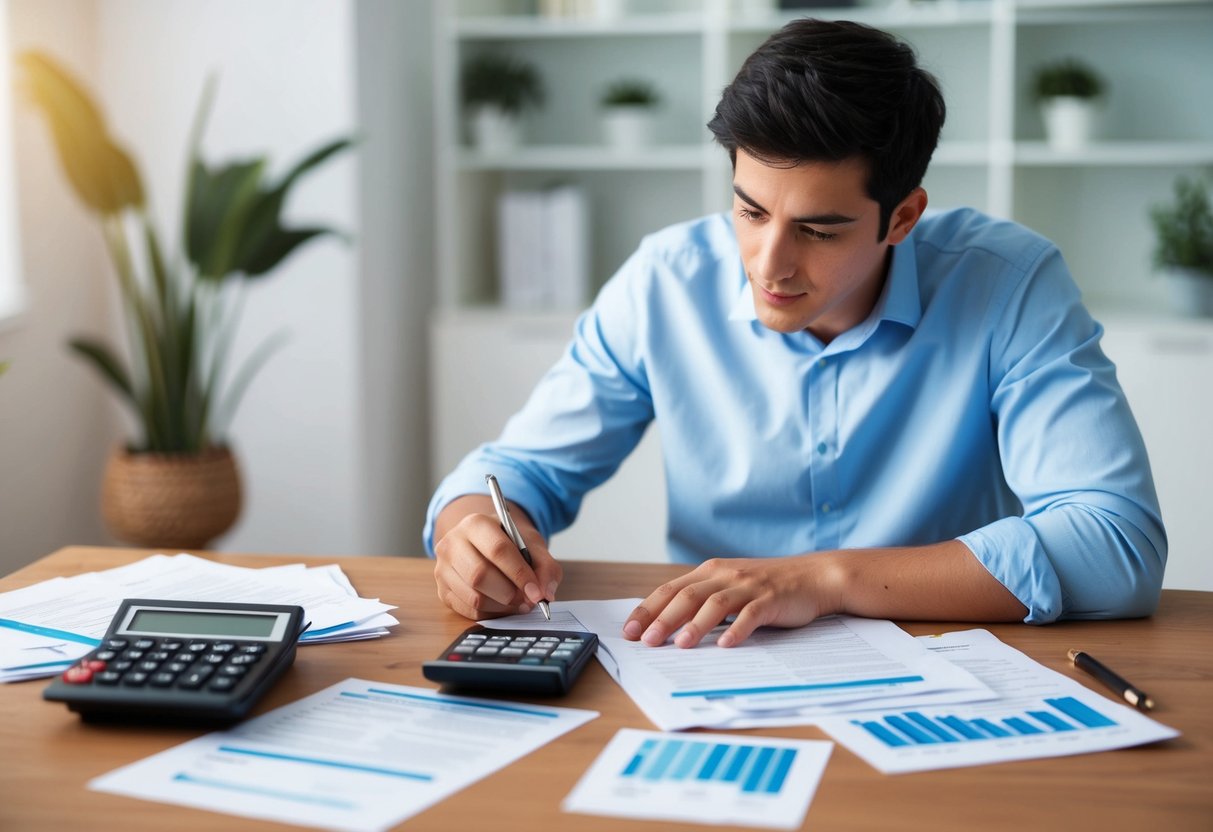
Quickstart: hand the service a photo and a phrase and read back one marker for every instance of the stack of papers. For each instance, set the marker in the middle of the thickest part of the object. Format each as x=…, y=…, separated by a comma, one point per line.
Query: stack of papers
x=47, y=626
x=776, y=677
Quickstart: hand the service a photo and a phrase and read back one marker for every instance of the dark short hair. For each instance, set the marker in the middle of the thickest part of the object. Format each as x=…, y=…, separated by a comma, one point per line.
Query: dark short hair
x=827, y=91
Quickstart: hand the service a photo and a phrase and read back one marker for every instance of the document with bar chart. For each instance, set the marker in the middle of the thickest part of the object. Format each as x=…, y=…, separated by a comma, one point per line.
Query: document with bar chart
x=1039, y=713
x=717, y=779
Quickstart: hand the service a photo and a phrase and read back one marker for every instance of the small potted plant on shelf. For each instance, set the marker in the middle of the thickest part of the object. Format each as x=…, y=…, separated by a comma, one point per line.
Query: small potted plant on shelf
x=628, y=109
x=177, y=484
x=497, y=89
x=1068, y=92
x=1183, y=247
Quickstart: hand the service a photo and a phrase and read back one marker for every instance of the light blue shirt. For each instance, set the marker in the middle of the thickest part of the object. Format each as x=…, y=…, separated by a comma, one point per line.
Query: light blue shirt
x=973, y=403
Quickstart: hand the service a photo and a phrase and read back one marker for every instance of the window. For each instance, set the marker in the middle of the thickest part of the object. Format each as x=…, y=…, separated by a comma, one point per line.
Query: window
x=12, y=288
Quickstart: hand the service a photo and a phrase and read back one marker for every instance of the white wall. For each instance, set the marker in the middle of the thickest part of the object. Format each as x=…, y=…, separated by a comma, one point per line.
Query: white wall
x=55, y=419
x=332, y=435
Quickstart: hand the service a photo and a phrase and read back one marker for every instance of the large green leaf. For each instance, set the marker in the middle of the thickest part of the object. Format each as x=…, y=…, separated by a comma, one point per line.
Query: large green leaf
x=220, y=202
x=108, y=365
x=101, y=173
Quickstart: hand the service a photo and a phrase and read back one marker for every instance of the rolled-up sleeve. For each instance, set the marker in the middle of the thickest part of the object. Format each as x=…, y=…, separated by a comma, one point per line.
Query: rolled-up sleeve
x=1090, y=542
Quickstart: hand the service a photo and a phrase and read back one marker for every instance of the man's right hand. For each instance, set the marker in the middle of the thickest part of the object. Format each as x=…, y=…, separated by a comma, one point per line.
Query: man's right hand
x=479, y=571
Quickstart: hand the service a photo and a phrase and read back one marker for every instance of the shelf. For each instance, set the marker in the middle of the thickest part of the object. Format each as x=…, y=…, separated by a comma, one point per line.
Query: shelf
x=589, y=157
x=1116, y=154
x=514, y=26
x=897, y=15
x=1053, y=12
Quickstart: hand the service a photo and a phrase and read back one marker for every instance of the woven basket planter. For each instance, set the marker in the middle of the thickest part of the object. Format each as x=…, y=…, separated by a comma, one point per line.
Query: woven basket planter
x=170, y=501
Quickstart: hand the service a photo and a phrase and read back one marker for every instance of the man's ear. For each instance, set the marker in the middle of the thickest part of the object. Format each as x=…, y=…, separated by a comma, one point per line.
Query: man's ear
x=906, y=215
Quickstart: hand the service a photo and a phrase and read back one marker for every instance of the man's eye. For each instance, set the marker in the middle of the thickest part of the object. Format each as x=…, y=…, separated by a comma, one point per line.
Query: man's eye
x=747, y=214
x=814, y=234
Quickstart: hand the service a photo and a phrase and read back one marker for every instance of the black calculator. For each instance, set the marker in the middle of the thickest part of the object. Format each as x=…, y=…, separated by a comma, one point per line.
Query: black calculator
x=517, y=661
x=182, y=661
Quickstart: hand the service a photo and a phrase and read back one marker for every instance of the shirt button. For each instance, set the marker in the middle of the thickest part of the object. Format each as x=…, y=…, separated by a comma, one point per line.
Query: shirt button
x=821, y=362
x=821, y=447
x=826, y=508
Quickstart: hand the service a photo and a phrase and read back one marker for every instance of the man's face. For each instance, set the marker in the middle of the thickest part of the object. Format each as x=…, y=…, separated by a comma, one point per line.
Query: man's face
x=808, y=241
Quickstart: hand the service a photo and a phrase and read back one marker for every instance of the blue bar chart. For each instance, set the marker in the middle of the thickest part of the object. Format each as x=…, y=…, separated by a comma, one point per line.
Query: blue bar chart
x=750, y=768
x=1061, y=715
x=703, y=778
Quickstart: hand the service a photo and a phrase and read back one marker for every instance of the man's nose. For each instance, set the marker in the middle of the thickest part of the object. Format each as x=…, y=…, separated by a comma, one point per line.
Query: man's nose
x=775, y=259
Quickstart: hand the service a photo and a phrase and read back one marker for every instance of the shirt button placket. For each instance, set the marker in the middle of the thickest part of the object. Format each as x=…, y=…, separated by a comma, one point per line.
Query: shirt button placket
x=823, y=418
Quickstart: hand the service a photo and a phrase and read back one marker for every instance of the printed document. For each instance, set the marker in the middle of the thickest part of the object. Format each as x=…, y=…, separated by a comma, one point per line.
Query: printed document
x=776, y=677
x=359, y=756
x=703, y=778
x=1040, y=713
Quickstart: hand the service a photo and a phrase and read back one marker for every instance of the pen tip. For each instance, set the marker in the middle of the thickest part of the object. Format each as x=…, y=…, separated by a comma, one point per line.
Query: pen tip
x=547, y=610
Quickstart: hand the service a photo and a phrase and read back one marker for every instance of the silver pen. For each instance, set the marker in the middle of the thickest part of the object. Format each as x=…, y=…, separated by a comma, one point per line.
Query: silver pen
x=507, y=525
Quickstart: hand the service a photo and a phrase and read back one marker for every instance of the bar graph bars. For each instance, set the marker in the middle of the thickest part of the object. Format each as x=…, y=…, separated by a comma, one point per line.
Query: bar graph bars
x=908, y=728
x=753, y=769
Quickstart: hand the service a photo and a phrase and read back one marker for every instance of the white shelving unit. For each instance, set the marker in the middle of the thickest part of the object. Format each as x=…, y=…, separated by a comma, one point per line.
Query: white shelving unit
x=1155, y=55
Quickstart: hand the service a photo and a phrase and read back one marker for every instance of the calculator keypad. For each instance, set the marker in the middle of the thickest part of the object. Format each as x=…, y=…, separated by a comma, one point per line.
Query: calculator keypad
x=216, y=666
x=506, y=649
x=520, y=661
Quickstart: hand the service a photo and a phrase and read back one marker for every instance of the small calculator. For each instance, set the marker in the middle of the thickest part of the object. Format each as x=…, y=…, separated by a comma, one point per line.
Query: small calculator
x=182, y=661
x=519, y=661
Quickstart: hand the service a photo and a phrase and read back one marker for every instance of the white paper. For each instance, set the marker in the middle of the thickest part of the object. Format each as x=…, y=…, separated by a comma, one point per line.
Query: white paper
x=63, y=618
x=716, y=779
x=1031, y=695
x=359, y=756
x=776, y=677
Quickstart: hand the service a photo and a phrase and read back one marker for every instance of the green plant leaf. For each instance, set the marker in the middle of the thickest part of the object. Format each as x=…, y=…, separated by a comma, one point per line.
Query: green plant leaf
x=220, y=201
x=101, y=173
x=109, y=366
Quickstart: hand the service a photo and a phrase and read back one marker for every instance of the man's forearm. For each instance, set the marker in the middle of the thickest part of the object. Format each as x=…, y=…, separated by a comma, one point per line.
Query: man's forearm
x=941, y=582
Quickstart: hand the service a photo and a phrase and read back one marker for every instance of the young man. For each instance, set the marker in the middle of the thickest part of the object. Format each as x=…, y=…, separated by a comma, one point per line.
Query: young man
x=863, y=410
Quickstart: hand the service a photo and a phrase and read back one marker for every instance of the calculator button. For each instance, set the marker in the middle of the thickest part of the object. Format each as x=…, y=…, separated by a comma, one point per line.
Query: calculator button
x=562, y=654
x=530, y=660
x=134, y=679
x=487, y=651
x=107, y=677
x=233, y=670
x=114, y=644
x=455, y=657
x=176, y=667
x=171, y=645
x=537, y=651
x=77, y=675
x=475, y=637
x=104, y=655
x=244, y=659
x=572, y=643
x=254, y=649
x=223, y=647
x=188, y=658
x=526, y=639
x=163, y=679
x=222, y=683
x=465, y=649
x=197, y=646
x=549, y=639
x=145, y=644
x=511, y=651
x=214, y=658
x=93, y=664
x=120, y=665
x=133, y=654
x=147, y=667
x=194, y=680
x=159, y=655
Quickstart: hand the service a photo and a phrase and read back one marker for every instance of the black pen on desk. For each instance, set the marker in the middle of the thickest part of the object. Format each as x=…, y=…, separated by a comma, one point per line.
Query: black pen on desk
x=1121, y=687
x=507, y=525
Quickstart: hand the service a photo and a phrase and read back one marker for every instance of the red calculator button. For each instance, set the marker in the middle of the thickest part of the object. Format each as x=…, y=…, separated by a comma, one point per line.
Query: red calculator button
x=78, y=675
x=454, y=657
x=93, y=664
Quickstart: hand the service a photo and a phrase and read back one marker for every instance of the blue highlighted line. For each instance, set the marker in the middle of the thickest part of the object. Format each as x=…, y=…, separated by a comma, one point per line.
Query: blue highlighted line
x=318, y=761
x=332, y=803
x=459, y=703
x=858, y=683
x=49, y=632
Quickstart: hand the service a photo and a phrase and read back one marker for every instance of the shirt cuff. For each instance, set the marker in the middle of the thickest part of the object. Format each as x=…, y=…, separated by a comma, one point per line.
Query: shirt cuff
x=1012, y=552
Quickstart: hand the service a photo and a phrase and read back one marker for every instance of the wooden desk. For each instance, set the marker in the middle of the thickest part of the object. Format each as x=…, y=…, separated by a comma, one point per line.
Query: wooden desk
x=48, y=754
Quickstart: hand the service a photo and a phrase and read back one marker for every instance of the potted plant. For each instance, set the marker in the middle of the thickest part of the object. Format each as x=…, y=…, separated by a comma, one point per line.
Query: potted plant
x=176, y=484
x=497, y=89
x=1068, y=91
x=1183, y=246
x=628, y=107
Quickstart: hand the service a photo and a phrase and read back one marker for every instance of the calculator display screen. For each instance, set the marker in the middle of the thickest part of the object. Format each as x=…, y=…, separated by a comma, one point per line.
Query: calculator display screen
x=195, y=623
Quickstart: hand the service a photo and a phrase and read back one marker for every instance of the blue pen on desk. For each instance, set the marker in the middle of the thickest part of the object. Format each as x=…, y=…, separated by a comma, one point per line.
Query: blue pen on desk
x=507, y=525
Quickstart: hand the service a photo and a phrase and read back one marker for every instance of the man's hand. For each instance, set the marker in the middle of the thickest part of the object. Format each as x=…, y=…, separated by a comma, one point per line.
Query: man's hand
x=479, y=571
x=777, y=592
